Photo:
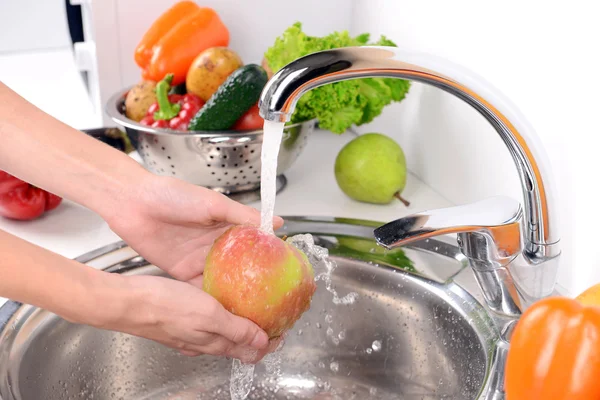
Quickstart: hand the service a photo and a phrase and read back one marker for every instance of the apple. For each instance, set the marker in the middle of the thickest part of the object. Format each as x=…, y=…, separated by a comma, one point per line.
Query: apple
x=258, y=276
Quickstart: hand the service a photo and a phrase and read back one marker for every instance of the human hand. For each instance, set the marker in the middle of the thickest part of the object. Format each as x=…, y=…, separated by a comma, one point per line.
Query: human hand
x=173, y=224
x=183, y=317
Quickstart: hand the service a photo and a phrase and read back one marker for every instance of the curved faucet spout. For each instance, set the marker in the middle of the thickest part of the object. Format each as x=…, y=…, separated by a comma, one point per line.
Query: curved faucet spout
x=283, y=90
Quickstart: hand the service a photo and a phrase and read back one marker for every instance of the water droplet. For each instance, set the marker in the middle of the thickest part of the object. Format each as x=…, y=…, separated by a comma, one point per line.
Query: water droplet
x=328, y=318
x=376, y=345
x=342, y=335
x=369, y=350
x=334, y=366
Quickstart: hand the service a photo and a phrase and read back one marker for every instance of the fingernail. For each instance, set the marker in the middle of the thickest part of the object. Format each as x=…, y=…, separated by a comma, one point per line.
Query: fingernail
x=260, y=341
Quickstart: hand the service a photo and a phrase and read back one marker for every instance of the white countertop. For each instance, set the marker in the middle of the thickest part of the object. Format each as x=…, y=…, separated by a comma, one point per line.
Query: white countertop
x=72, y=230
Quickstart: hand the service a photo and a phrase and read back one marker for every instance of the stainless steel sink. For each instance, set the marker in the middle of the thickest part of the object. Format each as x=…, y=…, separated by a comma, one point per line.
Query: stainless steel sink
x=413, y=333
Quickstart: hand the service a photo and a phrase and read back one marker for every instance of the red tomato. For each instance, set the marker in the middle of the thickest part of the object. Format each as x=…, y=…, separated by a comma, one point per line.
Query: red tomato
x=23, y=203
x=52, y=201
x=9, y=182
x=250, y=120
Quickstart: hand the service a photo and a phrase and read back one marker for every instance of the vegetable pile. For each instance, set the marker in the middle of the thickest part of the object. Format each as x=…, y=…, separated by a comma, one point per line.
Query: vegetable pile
x=22, y=201
x=339, y=105
x=192, y=81
x=171, y=110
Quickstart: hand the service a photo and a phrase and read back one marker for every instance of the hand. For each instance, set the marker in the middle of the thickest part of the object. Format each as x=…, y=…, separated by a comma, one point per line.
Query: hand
x=169, y=222
x=173, y=224
x=185, y=318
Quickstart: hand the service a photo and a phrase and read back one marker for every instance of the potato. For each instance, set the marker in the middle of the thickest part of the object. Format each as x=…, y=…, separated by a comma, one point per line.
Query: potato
x=139, y=99
x=210, y=69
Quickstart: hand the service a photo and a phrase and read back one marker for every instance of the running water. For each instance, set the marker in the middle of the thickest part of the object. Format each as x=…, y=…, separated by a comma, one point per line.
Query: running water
x=241, y=379
x=323, y=266
x=242, y=375
x=273, y=133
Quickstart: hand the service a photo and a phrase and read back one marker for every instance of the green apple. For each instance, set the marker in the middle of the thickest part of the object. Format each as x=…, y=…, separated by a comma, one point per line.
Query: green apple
x=372, y=169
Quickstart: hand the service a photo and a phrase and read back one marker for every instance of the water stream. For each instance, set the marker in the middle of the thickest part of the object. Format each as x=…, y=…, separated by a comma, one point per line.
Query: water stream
x=242, y=375
x=273, y=133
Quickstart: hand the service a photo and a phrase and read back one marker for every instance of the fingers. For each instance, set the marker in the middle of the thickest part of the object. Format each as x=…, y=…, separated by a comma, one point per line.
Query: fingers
x=228, y=210
x=224, y=347
x=235, y=213
x=216, y=345
x=190, y=353
x=277, y=222
x=221, y=347
x=196, y=281
x=274, y=344
x=242, y=331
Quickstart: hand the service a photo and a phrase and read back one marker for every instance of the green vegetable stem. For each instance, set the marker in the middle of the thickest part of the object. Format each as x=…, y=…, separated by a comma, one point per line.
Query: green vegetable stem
x=166, y=110
x=338, y=105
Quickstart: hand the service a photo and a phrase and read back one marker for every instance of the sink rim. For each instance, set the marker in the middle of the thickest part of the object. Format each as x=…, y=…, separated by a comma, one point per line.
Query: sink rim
x=14, y=315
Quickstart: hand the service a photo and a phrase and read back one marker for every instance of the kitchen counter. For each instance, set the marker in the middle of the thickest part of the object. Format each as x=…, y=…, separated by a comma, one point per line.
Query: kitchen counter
x=72, y=230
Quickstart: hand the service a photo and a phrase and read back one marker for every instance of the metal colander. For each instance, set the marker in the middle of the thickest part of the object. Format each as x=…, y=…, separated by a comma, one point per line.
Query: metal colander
x=225, y=161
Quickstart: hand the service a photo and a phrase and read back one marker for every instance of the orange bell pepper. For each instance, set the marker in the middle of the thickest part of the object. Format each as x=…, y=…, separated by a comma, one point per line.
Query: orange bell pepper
x=555, y=352
x=175, y=40
x=181, y=10
x=590, y=297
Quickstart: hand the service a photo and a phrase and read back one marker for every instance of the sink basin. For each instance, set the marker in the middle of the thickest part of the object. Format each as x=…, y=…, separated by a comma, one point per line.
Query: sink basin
x=413, y=333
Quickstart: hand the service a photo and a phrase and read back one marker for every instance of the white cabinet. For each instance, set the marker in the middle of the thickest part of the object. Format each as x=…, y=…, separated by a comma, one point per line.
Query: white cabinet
x=27, y=25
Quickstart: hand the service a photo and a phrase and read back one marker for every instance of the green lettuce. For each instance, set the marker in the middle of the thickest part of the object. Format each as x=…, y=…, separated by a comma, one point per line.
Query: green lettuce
x=338, y=105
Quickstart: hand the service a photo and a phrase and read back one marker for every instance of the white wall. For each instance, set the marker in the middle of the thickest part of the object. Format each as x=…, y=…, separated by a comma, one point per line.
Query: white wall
x=27, y=25
x=36, y=60
x=542, y=56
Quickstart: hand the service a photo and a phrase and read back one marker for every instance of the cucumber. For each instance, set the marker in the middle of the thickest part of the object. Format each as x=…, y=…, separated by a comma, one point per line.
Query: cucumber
x=179, y=89
x=233, y=98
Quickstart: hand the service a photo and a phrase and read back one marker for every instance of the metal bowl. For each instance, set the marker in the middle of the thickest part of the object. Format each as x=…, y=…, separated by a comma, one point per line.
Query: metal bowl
x=409, y=335
x=225, y=161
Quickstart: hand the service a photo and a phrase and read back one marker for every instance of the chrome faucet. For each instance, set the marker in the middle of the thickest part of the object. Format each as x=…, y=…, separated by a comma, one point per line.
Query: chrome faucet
x=512, y=249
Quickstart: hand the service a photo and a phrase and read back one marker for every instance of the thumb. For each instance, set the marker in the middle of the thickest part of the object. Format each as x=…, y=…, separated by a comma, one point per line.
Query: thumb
x=235, y=213
x=242, y=331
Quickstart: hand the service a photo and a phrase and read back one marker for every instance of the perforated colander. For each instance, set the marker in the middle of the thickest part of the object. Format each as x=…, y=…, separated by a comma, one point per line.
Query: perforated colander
x=226, y=161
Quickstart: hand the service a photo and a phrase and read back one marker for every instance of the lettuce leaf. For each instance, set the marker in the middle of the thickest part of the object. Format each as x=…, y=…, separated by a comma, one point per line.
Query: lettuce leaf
x=338, y=105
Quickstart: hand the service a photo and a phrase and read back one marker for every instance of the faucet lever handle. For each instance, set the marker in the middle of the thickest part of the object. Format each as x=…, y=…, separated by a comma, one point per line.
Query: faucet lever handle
x=498, y=218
